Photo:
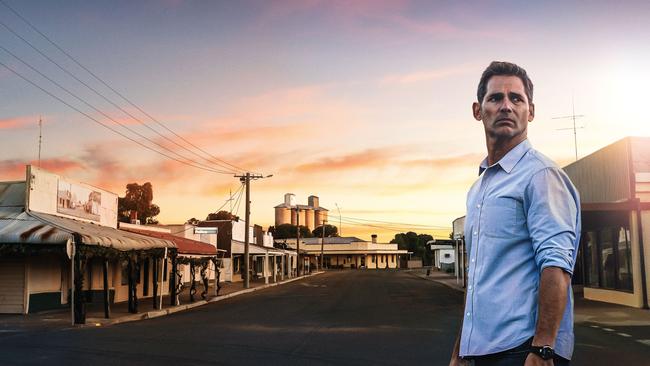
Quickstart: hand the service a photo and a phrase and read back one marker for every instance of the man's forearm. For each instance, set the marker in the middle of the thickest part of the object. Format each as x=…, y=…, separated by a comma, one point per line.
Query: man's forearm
x=553, y=289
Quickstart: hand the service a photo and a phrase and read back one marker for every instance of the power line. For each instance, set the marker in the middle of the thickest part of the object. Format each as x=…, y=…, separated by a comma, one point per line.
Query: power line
x=238, y=202
x=103, y=124
x=219, y=209
x=107, y=116
x=216, y=160
x=397, y=223
x=391, y=227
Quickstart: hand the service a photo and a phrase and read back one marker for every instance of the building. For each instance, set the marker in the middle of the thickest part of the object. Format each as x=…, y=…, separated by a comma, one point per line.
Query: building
x=613, y=260
x=348, y=252
x=194, y=261
x=310, y=215
x=444, y=254
x=57, y=253
x=266, y=261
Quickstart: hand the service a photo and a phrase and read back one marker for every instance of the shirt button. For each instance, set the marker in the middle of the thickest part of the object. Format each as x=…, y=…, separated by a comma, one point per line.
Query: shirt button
x=478, y=206
x=472, y=260
x=467, y=314
x=469, y=287
x=476, y=232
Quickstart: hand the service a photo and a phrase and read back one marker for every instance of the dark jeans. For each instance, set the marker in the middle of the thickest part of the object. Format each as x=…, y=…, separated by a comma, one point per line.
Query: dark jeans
x=512, y=357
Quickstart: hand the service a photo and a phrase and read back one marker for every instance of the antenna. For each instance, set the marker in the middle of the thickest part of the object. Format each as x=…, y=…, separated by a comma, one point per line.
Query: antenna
x=340, y=224
x=573, y=116
x=40, y=139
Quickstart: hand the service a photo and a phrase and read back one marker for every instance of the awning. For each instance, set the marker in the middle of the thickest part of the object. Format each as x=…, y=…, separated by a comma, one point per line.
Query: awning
x=184, y=245
x=20, y=227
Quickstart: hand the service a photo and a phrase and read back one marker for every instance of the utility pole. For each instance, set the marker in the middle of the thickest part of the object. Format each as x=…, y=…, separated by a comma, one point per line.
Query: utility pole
x=322, y=245
x=246, y=179
x=573, y=116
x=298, y=266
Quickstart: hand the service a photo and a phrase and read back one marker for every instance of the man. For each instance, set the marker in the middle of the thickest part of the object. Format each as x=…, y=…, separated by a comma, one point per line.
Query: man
x=522, y=231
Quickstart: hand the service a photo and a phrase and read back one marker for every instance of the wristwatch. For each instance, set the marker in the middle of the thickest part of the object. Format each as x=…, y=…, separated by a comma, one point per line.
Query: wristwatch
x=545, y=352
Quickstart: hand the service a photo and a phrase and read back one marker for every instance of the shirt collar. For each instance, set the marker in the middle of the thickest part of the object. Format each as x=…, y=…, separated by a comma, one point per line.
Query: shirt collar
x=509, y=160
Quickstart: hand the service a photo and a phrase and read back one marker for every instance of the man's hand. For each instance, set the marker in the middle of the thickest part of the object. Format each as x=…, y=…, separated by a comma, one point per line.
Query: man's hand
x=533, y=360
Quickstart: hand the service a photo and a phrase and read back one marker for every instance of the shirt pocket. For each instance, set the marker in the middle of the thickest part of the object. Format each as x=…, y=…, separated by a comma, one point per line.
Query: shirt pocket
x=499, y=217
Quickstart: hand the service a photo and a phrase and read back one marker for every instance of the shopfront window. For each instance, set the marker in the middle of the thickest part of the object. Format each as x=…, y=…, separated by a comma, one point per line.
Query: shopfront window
x=624, y=272
x=607, y=259
x=591, y=258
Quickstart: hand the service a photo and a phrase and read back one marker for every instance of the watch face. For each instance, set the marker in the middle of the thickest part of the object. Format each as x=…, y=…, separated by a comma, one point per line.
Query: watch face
x=547, y=352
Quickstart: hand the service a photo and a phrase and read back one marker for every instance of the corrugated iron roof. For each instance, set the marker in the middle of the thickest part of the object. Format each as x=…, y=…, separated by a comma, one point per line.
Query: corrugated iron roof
x=184, y=245
x=12, y=194
x=20, y=227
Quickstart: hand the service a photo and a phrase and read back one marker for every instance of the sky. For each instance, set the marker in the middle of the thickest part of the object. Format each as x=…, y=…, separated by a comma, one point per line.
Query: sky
x=366, y=104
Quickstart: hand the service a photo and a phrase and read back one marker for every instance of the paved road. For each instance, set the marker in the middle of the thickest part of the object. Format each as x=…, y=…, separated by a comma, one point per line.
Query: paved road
x=341, y=318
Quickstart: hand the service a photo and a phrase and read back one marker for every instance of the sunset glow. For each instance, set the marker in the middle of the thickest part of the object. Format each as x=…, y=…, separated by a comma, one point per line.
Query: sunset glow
x=365, y=104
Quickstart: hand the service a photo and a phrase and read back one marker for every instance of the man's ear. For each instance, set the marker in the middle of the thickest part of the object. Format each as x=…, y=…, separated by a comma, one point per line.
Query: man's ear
x=476, y=110
x=531, y=112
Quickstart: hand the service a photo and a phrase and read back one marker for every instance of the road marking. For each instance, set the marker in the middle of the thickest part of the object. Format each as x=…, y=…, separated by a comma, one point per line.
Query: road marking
x=624, y=335
x=608, y=329
x=595, y=326
x=9, y=331
x=644, y=341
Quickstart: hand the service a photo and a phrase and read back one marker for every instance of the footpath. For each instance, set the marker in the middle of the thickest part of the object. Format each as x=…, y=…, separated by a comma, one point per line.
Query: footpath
x=585, y=311
x=119, y=312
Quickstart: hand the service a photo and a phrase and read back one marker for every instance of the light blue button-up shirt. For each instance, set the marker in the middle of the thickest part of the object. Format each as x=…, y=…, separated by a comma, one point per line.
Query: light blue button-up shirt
x=522, y=216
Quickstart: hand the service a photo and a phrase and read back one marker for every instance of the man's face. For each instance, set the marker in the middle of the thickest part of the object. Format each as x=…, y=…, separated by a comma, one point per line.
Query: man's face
x=505, y=110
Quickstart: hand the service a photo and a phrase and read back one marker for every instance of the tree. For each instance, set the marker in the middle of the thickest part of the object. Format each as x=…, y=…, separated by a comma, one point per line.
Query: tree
x=330, y=231
x=415, y=243
x=138, y=198
x=288, y=231
x=193, y=221
x=222, y=215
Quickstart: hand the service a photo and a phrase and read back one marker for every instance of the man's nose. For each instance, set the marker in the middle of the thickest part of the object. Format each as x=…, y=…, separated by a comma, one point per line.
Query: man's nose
x=506, y=106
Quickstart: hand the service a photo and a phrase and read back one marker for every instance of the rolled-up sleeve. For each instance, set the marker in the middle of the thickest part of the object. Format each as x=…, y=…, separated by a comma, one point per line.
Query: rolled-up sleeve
x=552, y=205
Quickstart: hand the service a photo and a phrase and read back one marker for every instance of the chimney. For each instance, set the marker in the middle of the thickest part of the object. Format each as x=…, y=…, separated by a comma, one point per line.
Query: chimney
x=313, y=201
x=374, y=238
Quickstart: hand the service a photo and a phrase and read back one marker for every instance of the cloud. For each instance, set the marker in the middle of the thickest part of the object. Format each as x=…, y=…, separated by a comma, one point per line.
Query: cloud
x=16, y=122
x=446, y=162
x=14, y=169
x=429, y=75
x=363, y=159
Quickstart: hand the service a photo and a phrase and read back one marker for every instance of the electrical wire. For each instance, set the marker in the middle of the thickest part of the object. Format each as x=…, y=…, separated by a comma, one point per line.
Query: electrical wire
x=103, y=124
x=106, y=115
x=216, y=160
x=387, y=227
x=395, y=223
x=238, y=202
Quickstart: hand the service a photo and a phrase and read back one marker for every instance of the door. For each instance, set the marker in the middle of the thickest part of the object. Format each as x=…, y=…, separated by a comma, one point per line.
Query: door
x=12, y=286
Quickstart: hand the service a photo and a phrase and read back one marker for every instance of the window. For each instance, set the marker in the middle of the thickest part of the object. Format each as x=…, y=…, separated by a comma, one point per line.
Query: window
x=236, y=268
x=125, y=273
x=624, y=270
x=607, y=261
x=447, y=255
x=372, y=258
x=591, y=258
x=607, y=258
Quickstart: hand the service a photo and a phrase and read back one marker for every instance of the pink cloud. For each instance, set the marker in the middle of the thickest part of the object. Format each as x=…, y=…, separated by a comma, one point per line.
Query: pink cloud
x=17, y=122
x=429, y=75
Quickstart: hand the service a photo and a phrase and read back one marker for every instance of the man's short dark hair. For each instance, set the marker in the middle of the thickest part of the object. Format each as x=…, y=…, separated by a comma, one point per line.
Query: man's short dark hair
x=506, y=69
